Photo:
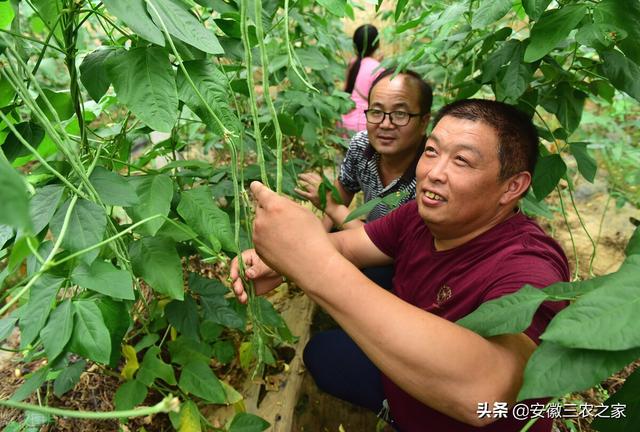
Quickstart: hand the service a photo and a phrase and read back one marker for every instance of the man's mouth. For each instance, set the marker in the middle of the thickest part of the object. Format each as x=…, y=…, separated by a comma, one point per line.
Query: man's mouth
x=434, y=196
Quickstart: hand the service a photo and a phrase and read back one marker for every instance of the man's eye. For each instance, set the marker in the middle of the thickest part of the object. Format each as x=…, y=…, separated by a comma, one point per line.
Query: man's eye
x=461, y=160
x=400, y=114
x=429, y=150
x=375, y=112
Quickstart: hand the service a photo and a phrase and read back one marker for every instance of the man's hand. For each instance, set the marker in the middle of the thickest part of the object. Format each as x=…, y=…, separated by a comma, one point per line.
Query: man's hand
x=289, y=238
x=264, y=279
x=311, y=183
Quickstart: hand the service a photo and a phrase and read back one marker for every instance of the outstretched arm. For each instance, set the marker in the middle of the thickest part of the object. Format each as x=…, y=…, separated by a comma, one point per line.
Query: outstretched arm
x=440, y=363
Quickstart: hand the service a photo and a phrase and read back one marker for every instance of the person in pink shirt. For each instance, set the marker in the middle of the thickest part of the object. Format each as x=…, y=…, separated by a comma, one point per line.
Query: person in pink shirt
x=361, y=74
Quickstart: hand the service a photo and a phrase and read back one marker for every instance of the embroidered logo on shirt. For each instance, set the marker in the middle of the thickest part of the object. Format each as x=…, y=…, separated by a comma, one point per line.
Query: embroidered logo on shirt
x=444, y=294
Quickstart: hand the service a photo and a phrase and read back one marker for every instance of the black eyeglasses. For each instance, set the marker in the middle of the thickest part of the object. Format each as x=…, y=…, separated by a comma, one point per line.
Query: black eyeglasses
x=397, y=118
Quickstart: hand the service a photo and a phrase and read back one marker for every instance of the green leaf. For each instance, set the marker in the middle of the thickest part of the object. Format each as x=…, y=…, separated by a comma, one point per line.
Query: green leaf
x=198, y=379
x=633, y=247
x=117, y=318
x=623, y=73
x=49, y=11
x=400, y=6
x=113, y=188
x=605, y=318
x=129, y=394
x=336, y=7
x=596, y=35
x=90, y=336
x=628, y=396
x=86, y=227
x=508, y=314
x=153, y=367
x=155, y=193
x=552, y=28
x=531, y=207
x=35, y=312
x=6, y=234
x=245, y=422
x=224, y=351
x=93, y=72
x=60, y=101
x=31, y=132
x=134, y=14
x=570, y=105
x=586, y=163
x=183, y=315
x=68, y=378
x=6, y=15
x=198, y=209
x=156, y=261
x=489, y=11
x=57, y=332
x=184, y=350
x=312, y=57
x=7, y=325
x=625, y=16
x=31, y=384
x=183, y=25
x=546, y=372
x=548, y=173
x=43, y=205
x=144, y=81
x=535, y=8
x=498, y=59
x=214, y=88
x=189, y=418
x=19, y=252
x=104, y=278
x=14, y=205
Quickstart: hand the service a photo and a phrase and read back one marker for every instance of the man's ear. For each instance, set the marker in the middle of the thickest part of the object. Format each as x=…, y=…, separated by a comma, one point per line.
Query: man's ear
x=515, y=187
x=425, y=121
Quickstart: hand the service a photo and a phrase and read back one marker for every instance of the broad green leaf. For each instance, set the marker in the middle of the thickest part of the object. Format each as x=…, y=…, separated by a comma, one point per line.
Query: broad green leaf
x=7, y=325
x=516, y=78
x=31, y=384
x=90, y=336
x=7, y=92
x=20, y=251
x=6, y=15
x=6, y=234
x=153, y=367
x=546, y=372
x=113, y=188
x=188, y=419
x=61, y=103
x=224, y=351
x=508, y=314
x=531, y=207
x=489, y=11
x=312, y=57
x=198, y=209
x=623, y=73
x=624, y=15
x=184, y=350
x=57, y=332
x=336, y=7
x=144, y=81
x=586, y=163
x=551, y=29
x=570, y=104
x=391, y=201
x=198, y=379
x=233, y=397
x=134, y=14
x=103, y=277
x=400, y=6
x=43, y=205
x=156, y=261
x=245, y=422
x=596, y=35
x=49, y=11
x=117, y=318
x=177, y=231
x=35, y=312
x=213, y=86
x=31, y=132
x=155, y=193
x=633, y=247
x=14, y=205
x=68, y=378
x=183, y=315
x=86, y=227
x=131, y=364
x=548, y=173
x=129, y=394
x=628, y=396
x=93, y=72
x=535, y=8
x=605, y=318
x=498, y=59
x=183, y=25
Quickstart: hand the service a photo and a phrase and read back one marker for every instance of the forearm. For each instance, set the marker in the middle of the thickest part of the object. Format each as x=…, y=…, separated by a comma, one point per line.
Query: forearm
x=438, y=362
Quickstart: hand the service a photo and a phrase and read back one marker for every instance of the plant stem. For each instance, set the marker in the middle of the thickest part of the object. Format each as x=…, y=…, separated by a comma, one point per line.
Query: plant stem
x=168, y=404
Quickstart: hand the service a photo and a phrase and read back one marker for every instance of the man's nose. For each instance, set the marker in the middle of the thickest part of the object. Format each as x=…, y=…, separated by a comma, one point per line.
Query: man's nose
x=386, y=121
x=437, y=171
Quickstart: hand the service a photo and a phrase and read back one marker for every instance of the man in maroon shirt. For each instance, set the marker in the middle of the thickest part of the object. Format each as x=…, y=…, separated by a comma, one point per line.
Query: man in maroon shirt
x=460, y=244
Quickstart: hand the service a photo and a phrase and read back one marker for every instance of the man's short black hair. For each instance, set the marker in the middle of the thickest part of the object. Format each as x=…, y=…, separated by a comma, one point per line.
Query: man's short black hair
x=517, y=135
x=425, y=98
